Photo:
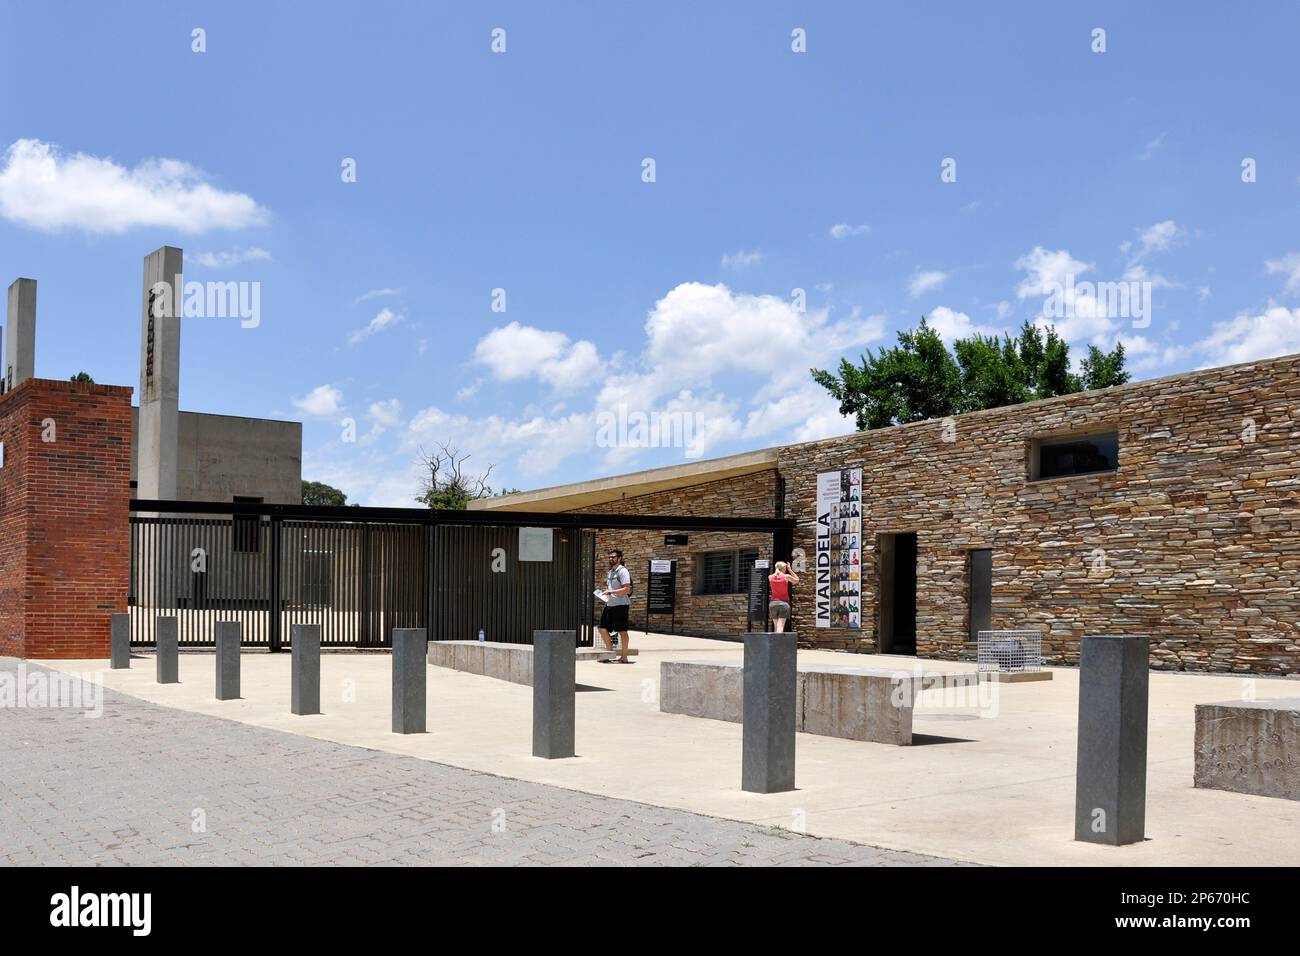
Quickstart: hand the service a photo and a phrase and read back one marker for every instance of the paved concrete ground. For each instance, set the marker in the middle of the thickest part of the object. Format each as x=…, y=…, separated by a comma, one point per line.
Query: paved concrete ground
x=133, y=785
x=989, y=783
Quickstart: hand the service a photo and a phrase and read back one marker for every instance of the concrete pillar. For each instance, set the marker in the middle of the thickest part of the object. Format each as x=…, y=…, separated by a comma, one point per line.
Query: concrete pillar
x=1110, y=790
x=305, y=665
x=229, y=636
x=160, y=354
x=119, y=642
x=771, y=682
x=166, y=651
x=20, y=359
x=554, y=684
x=409, y=672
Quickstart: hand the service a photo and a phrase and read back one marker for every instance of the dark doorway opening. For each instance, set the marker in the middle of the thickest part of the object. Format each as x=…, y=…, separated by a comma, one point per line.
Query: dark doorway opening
x=980, y=598
x=897, y=593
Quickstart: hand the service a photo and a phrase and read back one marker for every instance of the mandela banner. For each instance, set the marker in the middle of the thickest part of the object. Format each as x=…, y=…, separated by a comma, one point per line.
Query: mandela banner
x=839, y=548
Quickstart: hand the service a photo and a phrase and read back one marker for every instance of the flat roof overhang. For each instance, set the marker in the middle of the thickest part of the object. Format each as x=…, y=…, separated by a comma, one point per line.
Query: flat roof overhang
x=600, y=491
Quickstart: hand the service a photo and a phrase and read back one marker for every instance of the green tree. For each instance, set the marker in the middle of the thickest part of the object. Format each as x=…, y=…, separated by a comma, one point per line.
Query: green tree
x=319, y=493
x=993, y=373
x=1103, y=369
x=1046, y=360
x=82, y=377
x=914, y=380
x=920, y=378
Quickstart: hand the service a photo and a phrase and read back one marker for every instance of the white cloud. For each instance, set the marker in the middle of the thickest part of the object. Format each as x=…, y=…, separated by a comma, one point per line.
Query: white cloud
x=1150, y=148
x=515, y=352
x=700, y=341
x=386, y=413
x=231, y=257
x=1288, y=265
x=1158, y=238
x=1047, y=270
x=1245, y=337
x=44, y=188
x=536, y=444
x=922, y=282
x=806, y=413
x=734, y=364
x=742, y=259
x=385, y=318
x=1140, y=273
x=1054, y=275
x=321, y=401
x=957, y=325
x=375, y=294
x=1143, y=355
x=842, y=230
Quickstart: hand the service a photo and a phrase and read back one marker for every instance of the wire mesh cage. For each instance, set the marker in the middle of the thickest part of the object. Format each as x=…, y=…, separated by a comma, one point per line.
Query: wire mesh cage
x=1010, y=651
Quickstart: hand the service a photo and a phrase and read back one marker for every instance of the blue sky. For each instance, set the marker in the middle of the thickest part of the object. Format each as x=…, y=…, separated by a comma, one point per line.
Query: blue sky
x=523, y=171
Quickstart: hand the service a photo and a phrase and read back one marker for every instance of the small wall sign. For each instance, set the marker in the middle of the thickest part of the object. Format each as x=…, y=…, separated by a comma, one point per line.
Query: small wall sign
x=536, y=544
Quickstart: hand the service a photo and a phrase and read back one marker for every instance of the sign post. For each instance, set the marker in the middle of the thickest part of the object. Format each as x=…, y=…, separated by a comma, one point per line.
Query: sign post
x=661, y=596
x=758, y=595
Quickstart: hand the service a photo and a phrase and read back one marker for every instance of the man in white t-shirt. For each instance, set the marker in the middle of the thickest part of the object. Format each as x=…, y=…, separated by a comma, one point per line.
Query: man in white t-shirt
x=617, y=594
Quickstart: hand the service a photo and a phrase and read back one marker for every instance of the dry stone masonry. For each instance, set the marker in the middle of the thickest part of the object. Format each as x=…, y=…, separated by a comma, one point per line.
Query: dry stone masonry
x=1194, y=540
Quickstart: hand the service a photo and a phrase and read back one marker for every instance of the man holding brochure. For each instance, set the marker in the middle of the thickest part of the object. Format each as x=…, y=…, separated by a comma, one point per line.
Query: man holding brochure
x=617, y=597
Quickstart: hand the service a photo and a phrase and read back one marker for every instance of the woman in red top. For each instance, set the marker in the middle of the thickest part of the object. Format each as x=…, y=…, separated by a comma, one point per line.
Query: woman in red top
x=779, y=582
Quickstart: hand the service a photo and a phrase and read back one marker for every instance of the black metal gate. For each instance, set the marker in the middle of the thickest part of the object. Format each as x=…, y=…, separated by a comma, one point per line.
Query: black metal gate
x=360, y=572
x=357, y=580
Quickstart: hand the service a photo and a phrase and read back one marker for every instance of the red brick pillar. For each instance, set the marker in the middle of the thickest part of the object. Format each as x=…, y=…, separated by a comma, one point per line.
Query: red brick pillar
x=64, y=517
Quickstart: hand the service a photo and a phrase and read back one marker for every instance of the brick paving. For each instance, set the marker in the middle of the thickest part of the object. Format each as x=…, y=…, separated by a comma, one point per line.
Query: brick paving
x=148, y=785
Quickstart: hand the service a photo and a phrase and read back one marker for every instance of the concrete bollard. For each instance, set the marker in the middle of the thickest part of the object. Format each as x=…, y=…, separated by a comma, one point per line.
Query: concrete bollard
x=768, y=712
x=119, y=642
x=1110, y=789
x=410, y=670
x=554, y=688
x=305, y=667
x=230, y=635
x=166, y=651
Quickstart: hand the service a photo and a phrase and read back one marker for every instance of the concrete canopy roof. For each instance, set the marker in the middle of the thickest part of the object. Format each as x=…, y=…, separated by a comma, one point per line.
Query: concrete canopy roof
x=584, y=494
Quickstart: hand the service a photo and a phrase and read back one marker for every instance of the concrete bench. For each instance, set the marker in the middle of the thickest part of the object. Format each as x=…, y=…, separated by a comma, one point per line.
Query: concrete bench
x=512, y=662
x=1249, y=746
x=857, y=703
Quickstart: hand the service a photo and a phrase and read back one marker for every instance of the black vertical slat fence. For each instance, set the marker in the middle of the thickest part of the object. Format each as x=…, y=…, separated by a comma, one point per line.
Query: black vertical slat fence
x=360, y=572
x=357, y=580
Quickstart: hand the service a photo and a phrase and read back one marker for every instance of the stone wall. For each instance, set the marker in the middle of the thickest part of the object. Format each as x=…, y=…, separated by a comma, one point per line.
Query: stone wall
x=64, y=519
x=1195, y=540
x=713, y=615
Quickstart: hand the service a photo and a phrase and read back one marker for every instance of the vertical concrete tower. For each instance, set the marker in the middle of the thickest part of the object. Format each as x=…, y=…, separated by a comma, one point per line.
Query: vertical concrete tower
x=20, y=359
x=160, y=364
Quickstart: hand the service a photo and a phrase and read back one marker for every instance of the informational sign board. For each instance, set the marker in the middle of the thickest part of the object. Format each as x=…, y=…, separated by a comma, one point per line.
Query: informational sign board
x=661, y=594
x=839, y=548
x=758, y=590
x=676, y=539
x=536, y=544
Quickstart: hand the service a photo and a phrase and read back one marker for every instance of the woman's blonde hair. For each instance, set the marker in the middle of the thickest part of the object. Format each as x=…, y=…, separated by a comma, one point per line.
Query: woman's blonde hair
x=782, y=567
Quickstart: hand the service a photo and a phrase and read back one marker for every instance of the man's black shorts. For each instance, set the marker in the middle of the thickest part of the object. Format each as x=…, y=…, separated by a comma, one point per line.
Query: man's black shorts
x=614, y=618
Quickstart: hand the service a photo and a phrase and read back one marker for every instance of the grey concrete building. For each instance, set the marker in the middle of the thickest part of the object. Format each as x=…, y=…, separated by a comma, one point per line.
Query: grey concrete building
x=222, y=457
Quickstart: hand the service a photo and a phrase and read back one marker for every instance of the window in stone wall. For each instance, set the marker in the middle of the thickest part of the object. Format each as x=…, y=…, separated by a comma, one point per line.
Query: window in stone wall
x=724, y=572
x=1073, y=455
